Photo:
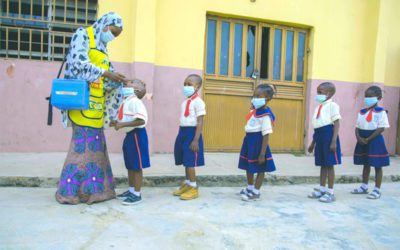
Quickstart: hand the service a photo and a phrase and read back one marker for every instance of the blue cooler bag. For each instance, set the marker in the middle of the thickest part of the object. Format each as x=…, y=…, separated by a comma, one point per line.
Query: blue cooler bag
x=70, y=94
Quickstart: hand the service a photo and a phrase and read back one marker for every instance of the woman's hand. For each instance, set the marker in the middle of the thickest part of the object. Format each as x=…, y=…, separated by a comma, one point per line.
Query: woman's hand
x=114, y=76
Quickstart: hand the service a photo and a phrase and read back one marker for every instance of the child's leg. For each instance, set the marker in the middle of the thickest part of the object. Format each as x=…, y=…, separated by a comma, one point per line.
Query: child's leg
x=378, y=177
x=331, y=178
x=259, y=180
x=191, y=175
x=250, y=178
x=365, y=175
x=135, y=179
x=323, y=174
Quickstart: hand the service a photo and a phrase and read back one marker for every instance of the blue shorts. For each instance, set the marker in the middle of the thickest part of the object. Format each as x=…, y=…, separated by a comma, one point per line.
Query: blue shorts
x=374, y=153
x=323, y=156
x=250, y=151
x=183, y=155
x=136, y=149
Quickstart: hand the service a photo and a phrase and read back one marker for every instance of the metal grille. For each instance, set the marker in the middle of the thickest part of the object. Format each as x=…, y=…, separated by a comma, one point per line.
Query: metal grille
x=42, y=29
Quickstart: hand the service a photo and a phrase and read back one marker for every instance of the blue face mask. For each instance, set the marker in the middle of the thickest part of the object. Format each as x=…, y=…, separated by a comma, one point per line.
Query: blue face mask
x=106, y=36
x=188, y=91
x=258, y=102
x=370, y=101
x=128, y=91
x=320, y=98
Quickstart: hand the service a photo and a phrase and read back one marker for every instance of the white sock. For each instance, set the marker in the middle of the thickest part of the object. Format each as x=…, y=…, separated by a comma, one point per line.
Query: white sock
x=136, y=193
x=256, y=191
x=193, y=184
x=250, y=187
x=187, y=182
x=330, y=190
x=377, y=189
x=364, y=186
x=132, y=190
x=322, y=189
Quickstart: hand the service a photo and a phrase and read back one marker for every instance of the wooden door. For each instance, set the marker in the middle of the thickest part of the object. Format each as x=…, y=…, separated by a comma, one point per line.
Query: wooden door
x=239, y=55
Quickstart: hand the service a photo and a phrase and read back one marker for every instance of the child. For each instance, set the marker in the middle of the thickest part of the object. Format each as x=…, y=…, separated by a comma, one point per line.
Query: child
x=370, y=149
x=255, y=155
x=189, y=143
x=326, y=141
x=133, y=118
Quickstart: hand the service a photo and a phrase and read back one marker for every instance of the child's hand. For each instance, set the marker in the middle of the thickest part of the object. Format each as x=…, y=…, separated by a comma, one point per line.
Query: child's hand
x=117, y=126
x=311, y=148
x=261, y=159
x=362, y=141
x=194, y=146
x=332, y=147
x=113, y=123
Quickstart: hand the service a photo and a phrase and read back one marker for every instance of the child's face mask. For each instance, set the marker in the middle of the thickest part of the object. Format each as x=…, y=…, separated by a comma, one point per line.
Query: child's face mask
x=128, y=91
x=258, y=102
x=107, y=36
x=188, y=90
x=370, y=101
x=320, y=98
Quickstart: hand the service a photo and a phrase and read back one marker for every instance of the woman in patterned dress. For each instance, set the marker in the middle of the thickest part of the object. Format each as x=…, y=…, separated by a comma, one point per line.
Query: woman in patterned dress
x=86, y=175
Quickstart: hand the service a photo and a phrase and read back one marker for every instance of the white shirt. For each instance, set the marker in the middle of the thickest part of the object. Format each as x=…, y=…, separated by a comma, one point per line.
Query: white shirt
x=133, y=109
x=379, y=120
x=261, y=124
x=328, y=114
x=196, y=108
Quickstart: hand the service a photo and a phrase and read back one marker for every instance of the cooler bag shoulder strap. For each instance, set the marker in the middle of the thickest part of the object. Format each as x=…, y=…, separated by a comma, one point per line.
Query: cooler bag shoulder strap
x=92, y=41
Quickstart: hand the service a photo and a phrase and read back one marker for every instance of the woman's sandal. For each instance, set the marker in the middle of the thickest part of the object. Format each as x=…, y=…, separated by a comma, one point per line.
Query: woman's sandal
x=374, y=195
x=360, y=190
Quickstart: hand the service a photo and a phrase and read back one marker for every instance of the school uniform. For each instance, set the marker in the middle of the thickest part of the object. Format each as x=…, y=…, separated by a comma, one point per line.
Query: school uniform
x=135, y=146
x=259, y=123
x=374, y=153
x=191, y=108
x=324, y=116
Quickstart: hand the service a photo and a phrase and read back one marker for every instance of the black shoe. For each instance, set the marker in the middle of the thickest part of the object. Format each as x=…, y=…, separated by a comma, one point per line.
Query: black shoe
x=124, y=195
x=132, y=200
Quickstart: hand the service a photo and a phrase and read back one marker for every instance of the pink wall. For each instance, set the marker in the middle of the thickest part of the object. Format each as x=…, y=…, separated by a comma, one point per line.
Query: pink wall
x=24, y=110
x=350, y=97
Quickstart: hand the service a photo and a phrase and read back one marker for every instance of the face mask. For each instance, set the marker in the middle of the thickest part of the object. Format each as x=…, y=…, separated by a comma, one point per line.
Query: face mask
x=188, y=91
x=106, y=36
x=258, y=102
x=370, y=101
x=128, y=91
x=320, y=98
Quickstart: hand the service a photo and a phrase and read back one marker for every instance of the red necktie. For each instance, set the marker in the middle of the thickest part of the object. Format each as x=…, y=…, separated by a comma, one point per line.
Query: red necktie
x=253, y=111
x=369, y=116
x=188, y=104
x=319, y=111
x=121, y=112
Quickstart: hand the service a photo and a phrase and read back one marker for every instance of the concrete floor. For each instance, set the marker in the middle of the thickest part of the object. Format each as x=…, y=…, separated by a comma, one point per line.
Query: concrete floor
x=283, y=219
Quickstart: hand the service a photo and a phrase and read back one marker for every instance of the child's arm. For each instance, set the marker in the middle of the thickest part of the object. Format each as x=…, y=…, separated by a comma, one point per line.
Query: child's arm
x=311, y=147
x=261, y=157
x=377, y=132
x=194, y=145
x=135, y=123
x=333, y=145
x=360, y=140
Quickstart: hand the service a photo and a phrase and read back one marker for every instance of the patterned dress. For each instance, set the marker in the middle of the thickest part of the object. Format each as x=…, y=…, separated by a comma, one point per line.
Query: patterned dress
x=87, y=175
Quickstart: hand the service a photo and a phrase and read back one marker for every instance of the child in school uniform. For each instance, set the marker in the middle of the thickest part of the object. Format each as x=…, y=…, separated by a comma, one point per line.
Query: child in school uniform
x=255, y=155
x=370, y=149
x=325, y=143
x=188, y=150
x=132, y=117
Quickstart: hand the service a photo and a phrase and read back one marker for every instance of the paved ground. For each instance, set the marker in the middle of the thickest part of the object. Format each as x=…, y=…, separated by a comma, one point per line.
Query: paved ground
x=283, y=219
x=18, y=169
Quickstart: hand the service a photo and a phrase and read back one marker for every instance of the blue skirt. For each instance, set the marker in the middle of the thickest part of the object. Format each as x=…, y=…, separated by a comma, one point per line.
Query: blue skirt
x=136, y=149
x=374, y=153
x=324, y=157
x=250, y=151
x=183, y=154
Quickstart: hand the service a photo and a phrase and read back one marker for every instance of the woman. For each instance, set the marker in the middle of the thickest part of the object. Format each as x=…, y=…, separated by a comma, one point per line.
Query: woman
x=87, y=175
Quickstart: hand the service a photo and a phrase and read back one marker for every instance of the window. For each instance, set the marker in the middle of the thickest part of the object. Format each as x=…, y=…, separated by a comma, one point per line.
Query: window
x=246, y=49
x=42, y=29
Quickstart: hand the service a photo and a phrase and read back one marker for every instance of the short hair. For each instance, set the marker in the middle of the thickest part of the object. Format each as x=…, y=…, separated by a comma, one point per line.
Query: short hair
x=375, y=90
x=196, y=79
x=330, y=86
x=266, y=89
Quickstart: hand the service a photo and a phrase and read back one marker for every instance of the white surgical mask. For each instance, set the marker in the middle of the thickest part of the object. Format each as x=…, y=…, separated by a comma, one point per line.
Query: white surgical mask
x=258, y=102
x=370, y=101
x=128, y=91
x=106, y=36
x=188, y=91
x=320, y=98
